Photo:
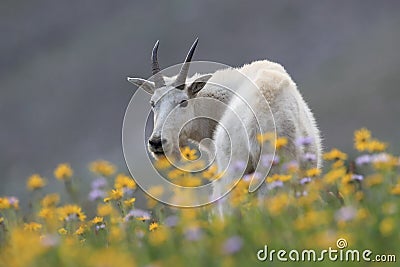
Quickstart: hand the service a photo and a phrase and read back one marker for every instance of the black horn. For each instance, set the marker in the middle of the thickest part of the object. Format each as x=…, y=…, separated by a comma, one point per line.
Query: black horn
x=155, y=68
x=181, y=78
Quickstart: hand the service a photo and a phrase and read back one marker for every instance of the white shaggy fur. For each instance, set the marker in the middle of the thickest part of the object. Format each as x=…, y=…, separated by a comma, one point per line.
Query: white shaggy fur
x=291, y=115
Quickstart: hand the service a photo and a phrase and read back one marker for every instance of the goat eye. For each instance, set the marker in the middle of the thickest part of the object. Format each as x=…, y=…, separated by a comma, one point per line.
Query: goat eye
x=183, y=103
x=152, y=104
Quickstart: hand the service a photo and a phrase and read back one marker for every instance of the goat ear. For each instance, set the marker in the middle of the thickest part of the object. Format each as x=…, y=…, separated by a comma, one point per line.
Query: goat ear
x=146, y=85
x=198, y=84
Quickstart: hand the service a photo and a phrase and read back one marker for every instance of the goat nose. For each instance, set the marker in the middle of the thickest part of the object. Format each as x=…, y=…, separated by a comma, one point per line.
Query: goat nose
x=157, y=142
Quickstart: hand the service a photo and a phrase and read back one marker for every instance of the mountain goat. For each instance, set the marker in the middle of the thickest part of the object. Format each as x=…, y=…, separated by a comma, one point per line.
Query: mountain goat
x=275, y=104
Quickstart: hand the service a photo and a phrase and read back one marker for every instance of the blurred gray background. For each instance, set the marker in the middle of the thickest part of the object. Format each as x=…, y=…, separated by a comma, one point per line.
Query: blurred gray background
x=63, y=68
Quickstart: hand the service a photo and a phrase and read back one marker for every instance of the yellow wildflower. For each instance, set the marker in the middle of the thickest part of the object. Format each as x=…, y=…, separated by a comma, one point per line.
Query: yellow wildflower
x=189, y=181
x=115, y=234
x=123, y=181
x=386, y=162
x=361, y=146
x=176, y=173
x=337, y=164
x=129, y=202
x=292, y=167
x=153, y=226
x=156, y=191
x=280, y=142
x=395, y=190
x=112, y=256
x=35, y=181
x=97, y=220
x=1, y=220
x=362, y=135
x=313, y=172
x=373, y=180
x=32, y=226
x=17, y=241
x=269, y=136
x=50, y=200
x=63, y=172
x=362, y=214
x=211, y=172
x=386, y=226
x=335, y=154
x=102, y=167
x=347, y=178
x=116, y=194
x=62, y=231
x=71, y=212
x=47, y=213
x=162, y=163
x=277, y=203
x=346, y=189
x=158, y=237
x=80, y=230
x=361, y=139
x=278, y=177
x=376, y=146
x=104, y=209
x=306, y=200
x=311, y=219
x=188, y=153
x=238, y=196
x=285, y=178
x=359, y=195
x=4, y=203
x=334, y=175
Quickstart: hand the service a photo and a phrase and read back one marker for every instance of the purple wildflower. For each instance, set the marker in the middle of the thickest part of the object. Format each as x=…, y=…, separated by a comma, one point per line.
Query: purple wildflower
x=13, y=200
x=363, y=160
x=309, y=157
x=100, y=227
x=96, y=194
x=357, y=177
x=239, y=165
x=305, y=180
x=138, y=213
x=304, y=141
x=274, y=184
x=127, y=191
x=290, y=165
x=171, y=221
x=99, y=183
x=254, y=175
x=269, y=159
x=193, y=233
x=232, y=245
x=381, y=157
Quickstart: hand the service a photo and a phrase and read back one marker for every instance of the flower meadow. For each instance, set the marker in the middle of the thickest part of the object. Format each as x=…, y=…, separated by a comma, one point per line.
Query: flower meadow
x=355, y=200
